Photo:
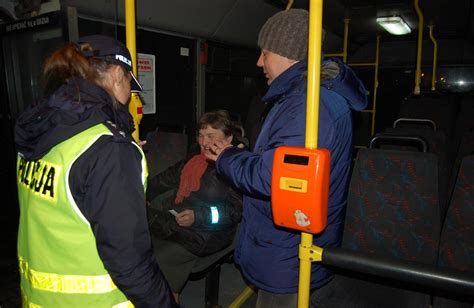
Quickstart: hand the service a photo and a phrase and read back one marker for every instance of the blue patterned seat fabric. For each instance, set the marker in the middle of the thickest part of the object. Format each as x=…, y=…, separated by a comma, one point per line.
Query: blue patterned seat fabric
x=457, y=237
x=437, y=145
x=394, y=205
x=393, y=211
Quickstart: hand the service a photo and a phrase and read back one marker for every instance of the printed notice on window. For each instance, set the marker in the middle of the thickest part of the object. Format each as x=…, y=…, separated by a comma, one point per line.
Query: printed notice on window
x=146, y=77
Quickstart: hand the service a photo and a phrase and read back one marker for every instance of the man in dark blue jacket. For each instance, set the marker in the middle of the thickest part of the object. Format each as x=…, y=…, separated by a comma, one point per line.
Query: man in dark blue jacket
x=268, y=255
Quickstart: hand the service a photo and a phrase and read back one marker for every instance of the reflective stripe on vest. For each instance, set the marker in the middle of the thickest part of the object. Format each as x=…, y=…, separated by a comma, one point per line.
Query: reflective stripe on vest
x=27, y=304
x=66, y=283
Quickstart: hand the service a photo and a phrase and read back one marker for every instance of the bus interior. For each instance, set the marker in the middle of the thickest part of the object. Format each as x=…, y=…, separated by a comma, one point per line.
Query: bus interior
x=411, y=195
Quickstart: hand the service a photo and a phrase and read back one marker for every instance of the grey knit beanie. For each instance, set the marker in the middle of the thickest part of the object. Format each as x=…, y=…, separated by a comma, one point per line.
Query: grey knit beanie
x=286, y=34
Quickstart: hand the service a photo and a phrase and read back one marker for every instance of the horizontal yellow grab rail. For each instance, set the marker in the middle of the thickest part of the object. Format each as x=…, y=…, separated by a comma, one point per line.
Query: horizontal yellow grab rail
x=363, y=64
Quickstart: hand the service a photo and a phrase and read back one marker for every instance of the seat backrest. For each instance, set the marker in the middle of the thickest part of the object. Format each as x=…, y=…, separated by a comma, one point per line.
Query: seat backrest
x=393, y=207
x=441, y=111
x=464, y=118
x=392, y=211
x=457, y=237
x=164, y=149
x=436, y=142
x=466, y=147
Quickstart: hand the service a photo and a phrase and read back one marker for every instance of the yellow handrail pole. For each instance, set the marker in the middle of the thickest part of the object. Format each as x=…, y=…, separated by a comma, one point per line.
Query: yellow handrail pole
x=289, y=5
x=362, y=64
x=311, y=137
x=346, y=38
x=242, y=298
x=419, y=49
x=376, y=84
x=339, y=54
x=435, y=58
x=135, y=106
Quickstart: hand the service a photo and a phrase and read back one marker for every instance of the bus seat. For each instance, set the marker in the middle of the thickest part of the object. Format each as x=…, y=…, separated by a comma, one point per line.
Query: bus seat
x=392, y=211
x=457, y=236
x=464, y=118
x=441, y=110
x=440, y=144
x=466, y=147
x=164, y=149
x=436, y=143
x=464, y=136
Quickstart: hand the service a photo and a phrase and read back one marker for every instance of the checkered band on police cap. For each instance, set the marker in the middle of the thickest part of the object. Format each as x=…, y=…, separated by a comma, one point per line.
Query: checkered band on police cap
x=286, y=34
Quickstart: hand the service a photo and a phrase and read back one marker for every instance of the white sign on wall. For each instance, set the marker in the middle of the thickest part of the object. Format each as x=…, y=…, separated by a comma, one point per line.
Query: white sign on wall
x=146, y=77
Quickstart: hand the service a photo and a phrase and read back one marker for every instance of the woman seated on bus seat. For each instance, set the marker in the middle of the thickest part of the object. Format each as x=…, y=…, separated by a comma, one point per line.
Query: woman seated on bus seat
x=208, y=210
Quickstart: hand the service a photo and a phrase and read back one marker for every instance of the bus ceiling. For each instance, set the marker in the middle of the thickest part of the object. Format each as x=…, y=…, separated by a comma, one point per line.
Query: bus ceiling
x=238, y=21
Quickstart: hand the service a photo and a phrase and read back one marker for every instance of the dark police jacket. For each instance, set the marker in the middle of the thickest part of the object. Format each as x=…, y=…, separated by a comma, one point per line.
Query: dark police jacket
x=105, y=182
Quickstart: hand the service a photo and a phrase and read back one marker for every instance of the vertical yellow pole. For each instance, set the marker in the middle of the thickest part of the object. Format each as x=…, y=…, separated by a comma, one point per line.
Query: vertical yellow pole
x=435, y=58
x=346, y=38
x=376, y=85
x=311, y=138
x=135, y=106
x=314, y=69
x=419, y=49
x=289, y=5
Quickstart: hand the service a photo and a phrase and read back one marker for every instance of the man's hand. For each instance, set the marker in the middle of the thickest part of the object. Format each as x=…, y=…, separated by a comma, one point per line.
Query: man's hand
x=185, y=218
x=217, y=148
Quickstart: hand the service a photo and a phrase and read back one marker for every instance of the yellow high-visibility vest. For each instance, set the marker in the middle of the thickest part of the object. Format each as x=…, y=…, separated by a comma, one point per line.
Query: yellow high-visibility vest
x=57, y=254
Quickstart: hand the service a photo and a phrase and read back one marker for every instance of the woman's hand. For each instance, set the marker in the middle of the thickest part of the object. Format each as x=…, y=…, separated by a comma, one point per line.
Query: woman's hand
x=185, y=218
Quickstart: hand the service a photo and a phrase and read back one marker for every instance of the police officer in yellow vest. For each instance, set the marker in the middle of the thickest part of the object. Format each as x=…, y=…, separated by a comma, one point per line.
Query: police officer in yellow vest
x=83, y=239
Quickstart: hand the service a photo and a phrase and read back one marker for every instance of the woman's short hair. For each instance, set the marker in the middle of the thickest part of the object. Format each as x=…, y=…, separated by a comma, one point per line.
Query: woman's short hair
x=219, y=119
